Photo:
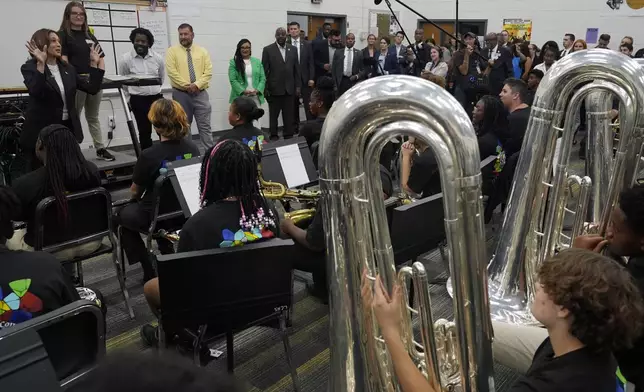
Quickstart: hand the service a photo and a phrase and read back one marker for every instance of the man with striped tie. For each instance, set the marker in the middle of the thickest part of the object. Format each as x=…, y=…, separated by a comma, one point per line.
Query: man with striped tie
x=189, y=69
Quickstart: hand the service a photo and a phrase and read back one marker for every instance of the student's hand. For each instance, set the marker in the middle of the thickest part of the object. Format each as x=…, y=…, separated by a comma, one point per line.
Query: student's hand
x=470, y=50
x=490, y=61
x=286, y=225
x=613, y=113
x=593, y=242
x=408, y=149
x=298, y=92
x=387, y=309
x=95, y=55
x=353, y=78
x=327, y=67
x=311, y=83
x=39, y=55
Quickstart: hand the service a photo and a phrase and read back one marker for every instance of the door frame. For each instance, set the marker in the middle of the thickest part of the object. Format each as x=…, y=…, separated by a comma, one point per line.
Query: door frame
x=343, y=28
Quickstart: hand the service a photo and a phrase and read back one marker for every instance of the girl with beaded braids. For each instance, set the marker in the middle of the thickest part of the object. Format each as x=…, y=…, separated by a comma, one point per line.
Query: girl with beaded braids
x=233, y=211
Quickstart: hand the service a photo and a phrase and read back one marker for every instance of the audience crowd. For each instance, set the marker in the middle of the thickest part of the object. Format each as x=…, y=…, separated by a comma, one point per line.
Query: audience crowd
x=590, y=305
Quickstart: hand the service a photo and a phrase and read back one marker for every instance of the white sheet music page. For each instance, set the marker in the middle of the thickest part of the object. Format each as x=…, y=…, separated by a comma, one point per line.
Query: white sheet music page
x=292, y=165
x=188, y=177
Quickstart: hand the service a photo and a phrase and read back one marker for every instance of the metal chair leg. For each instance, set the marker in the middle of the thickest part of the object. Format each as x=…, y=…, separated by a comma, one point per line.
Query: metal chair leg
x=230, y=352
x=121, y=253
x=201, y=334
x=287, y=350
x=79, y=271
x=120, y=275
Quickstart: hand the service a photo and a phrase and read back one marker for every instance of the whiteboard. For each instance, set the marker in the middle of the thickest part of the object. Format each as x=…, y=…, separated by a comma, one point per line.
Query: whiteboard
x=157, y=23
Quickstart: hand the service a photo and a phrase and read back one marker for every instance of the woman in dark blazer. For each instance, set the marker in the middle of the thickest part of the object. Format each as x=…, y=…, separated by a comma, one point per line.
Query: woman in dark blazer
x=386, y=60
x=52, y=85
x=369, y=54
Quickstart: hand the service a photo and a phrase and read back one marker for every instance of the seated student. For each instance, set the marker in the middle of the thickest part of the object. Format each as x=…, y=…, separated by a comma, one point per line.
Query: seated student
x=170, y=123
x=31, y=283
x=534, y=78
x=322, y=98
x=243, y=111
x=588, y=305
x=625, y=238
x=232, y=207
x=65, y=170
x=489, y=120
x=313, y=241
x=419, y=172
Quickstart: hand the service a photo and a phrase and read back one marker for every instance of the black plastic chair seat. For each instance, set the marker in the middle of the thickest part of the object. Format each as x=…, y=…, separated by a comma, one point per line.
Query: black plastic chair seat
x=102, y=250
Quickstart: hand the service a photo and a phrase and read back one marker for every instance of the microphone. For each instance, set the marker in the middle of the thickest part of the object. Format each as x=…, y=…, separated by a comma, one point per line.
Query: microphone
x=377, y=2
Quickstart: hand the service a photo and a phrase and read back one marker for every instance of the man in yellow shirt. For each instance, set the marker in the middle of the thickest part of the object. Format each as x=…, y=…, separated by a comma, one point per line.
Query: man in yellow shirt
x=189, y=68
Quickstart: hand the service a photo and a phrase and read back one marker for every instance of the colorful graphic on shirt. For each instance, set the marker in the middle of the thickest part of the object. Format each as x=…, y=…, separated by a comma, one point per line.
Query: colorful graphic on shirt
x=500, y=159
x=164, y=164
x=243, y=237
x=19, y=305
x=256, y=142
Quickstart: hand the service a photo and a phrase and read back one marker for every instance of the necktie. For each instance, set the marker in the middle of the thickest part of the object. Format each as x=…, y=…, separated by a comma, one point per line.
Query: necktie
x=349, y=65
x=296, y=45
x=191, y=67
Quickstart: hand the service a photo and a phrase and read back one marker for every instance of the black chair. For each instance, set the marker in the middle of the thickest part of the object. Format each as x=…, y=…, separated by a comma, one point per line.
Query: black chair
x=94, y=209
x=222, y=291
x=58, y=349
x=167, y=215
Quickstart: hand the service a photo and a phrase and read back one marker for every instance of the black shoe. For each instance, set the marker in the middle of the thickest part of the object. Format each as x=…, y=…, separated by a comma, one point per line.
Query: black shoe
x=105, y=155
x=314, y=291
x=150, y=335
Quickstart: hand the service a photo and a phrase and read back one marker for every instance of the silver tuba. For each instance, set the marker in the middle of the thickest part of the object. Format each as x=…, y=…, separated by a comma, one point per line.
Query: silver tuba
x=355, y=131
x=530, y=227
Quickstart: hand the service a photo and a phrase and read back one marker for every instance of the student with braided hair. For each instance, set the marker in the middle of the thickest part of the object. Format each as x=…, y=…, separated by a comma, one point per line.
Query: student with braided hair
x=233, y=211
x=65, y=170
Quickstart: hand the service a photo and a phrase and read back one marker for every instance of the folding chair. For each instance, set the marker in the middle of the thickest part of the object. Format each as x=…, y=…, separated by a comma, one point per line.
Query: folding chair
x=94, y=208
x=63, y=346
x=222, y=291
x=167, y=212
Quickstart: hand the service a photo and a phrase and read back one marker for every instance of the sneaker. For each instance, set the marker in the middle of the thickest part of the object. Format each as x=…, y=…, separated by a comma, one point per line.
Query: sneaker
x=150, y=335
x=105, y=155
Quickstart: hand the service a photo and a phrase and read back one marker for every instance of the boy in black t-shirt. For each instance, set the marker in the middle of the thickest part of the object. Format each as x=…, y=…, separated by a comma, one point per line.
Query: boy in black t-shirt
x=514, y=97
x=171, y=124
x=588, y=305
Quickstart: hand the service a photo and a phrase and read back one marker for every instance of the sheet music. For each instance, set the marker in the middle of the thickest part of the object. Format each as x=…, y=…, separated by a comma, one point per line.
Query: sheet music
x=188, y=178
x=292, y=165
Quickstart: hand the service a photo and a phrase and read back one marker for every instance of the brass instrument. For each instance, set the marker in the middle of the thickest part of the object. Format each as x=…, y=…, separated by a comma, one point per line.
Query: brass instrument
x=530, y=231
x=277, y=191
x=357, y=237
x=300, y=215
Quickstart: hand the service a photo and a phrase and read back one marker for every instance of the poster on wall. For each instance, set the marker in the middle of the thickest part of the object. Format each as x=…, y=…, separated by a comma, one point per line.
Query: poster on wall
x=591, y=35
x=518, y=28
x=382, y=24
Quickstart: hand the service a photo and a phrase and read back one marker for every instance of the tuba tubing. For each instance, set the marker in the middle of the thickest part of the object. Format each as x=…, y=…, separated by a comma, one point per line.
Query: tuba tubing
x=352, y=206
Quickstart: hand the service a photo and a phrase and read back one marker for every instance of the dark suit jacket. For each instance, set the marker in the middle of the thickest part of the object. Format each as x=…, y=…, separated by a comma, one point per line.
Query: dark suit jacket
x=423, y=57
x=400, y=57
x=321, y=57
x=337, y=68
x=370, y=63
x=501, y=70
x=307, y=67
x=282, y=77
x=46, y=103
x=392, y=65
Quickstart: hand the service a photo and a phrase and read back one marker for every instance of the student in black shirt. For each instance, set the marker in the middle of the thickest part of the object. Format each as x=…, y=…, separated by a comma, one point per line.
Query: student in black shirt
x=514, y=95
x=65, y=170
x=77, y=42
x=588, y=305
x=489, y=120
x=31, y=283
x=171, y=124
x=625, y=239
x=419, y=172
x=243, y=111
x=234, y=211
x=322, y=98
x=534, y=78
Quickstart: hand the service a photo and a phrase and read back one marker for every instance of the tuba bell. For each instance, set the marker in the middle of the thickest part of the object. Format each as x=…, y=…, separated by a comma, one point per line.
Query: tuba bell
x=530, y=227
x=355, y=131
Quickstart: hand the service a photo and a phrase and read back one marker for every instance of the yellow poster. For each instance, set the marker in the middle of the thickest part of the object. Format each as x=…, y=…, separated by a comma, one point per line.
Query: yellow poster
x=518, y=28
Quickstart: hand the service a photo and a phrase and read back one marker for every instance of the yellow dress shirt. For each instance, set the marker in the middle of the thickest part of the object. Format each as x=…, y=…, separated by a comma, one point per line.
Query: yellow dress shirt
x=176, y=65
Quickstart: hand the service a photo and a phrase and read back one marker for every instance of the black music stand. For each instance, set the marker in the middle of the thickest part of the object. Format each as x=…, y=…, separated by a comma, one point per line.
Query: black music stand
x=194, y=165
x=134, y=82
x=272, y=167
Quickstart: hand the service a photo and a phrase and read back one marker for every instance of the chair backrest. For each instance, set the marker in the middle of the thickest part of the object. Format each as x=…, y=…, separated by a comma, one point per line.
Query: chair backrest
x=72, y=336
x=417, y=228
x=89, y=219
x=225, y=288
x=167, y=205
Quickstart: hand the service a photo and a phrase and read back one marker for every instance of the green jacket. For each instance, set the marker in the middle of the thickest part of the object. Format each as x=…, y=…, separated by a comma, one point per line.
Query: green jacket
x=238, y=83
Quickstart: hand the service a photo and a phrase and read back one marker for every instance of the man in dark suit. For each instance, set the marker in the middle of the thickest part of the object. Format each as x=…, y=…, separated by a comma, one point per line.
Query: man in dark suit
x=348, y=67
x=400, y=51
x=422, y=52
x=323, y=51
x=283, y=82
x=304, y=52
x=500, y=59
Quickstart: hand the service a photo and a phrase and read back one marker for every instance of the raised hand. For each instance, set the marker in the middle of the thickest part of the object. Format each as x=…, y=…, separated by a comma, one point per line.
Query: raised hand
x=39, y=55
x=95, y=54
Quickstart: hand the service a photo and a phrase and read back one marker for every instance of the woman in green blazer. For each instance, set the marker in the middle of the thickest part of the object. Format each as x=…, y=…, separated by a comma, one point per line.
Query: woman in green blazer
x=246, y=74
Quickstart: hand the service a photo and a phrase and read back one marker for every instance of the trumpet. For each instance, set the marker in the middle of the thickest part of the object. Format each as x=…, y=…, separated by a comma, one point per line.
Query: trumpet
x=277, y=191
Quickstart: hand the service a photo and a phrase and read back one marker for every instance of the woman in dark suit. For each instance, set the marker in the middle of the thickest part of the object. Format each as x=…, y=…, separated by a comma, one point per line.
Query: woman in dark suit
x=386, y=60
x=52, y=85
x=369, y=54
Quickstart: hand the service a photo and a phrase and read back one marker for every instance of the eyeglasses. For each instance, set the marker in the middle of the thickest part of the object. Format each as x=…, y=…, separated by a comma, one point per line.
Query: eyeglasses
x=245, y=47
x=77, y=14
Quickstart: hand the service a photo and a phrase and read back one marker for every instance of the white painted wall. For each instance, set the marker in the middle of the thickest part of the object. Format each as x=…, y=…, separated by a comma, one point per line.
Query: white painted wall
x=219, y=24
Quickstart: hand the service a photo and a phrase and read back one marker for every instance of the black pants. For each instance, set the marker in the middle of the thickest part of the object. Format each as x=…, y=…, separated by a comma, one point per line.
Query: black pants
x=314, y=262
x=344, y=86
x=140, y=105
x=135, y=219
x=281, y=104
x=306, y=99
